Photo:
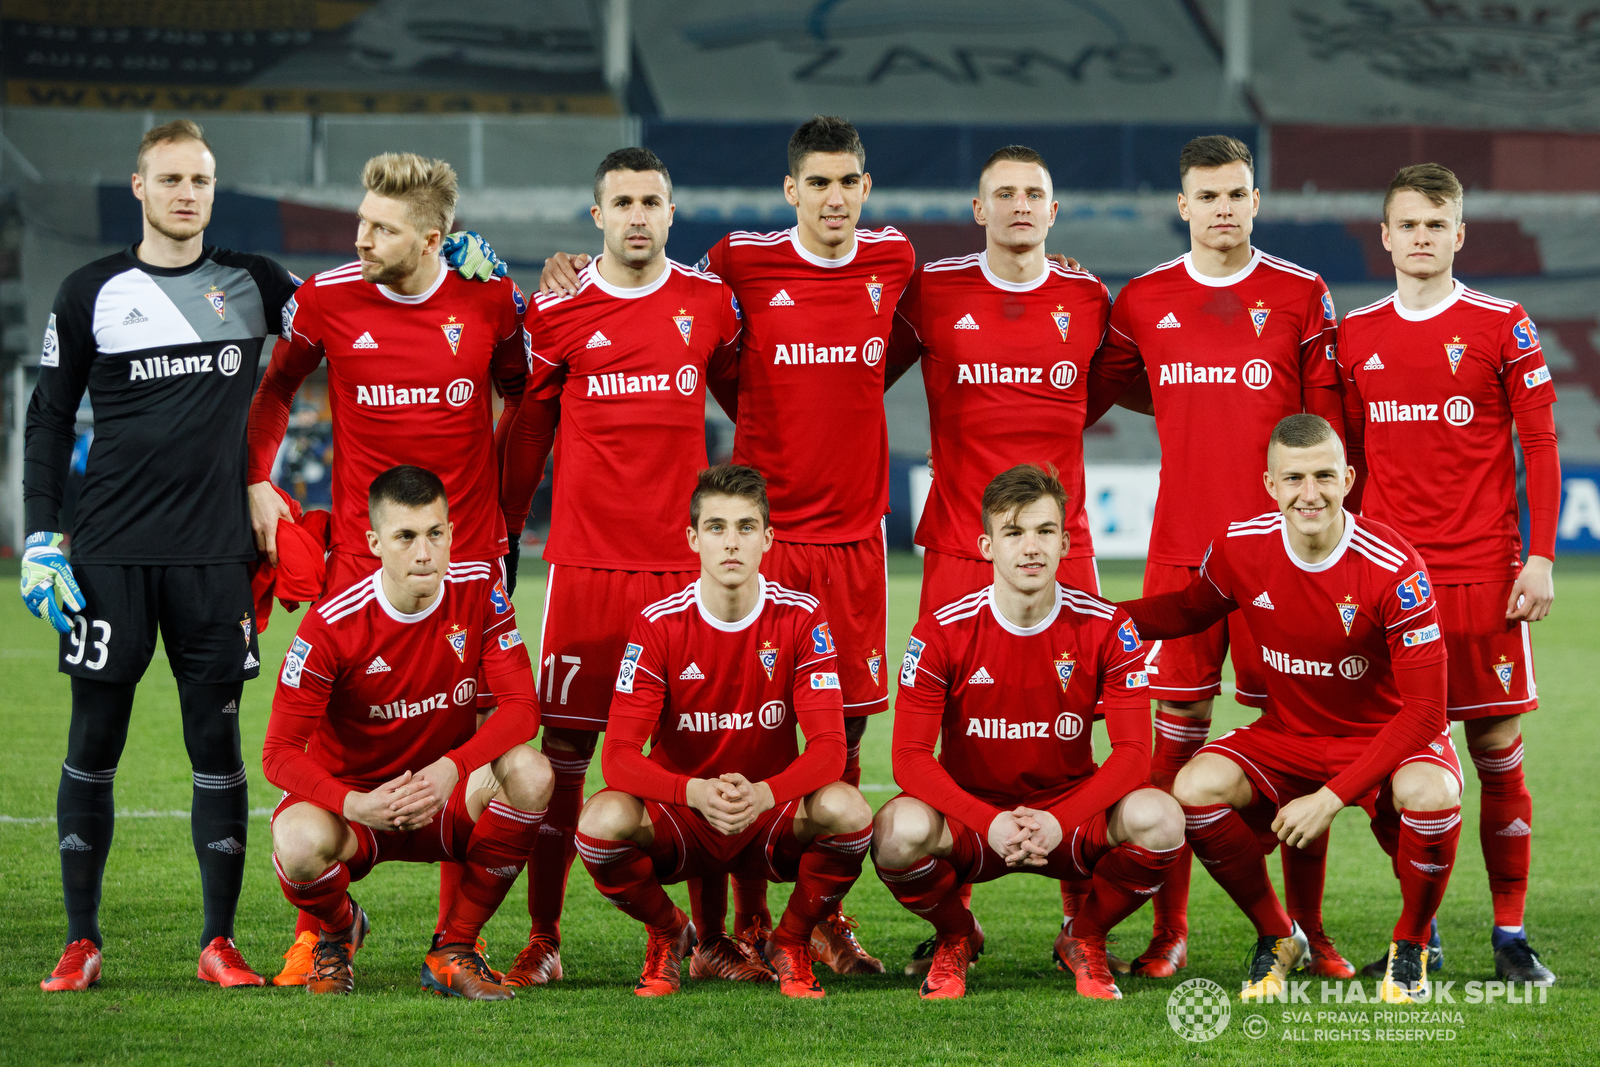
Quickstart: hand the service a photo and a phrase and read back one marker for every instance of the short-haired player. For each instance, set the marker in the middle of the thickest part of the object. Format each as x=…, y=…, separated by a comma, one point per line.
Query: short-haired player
x=372, y=738
x=716, y=678
x=1005, y=681
x=1344, y=612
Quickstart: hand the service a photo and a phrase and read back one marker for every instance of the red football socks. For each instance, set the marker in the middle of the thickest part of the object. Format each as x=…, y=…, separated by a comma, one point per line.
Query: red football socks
x=325, y=898
x=1505, y=829
x=625, y=875
x=928, y=888
x=1074, y=891
x=554, y=850
x=1123, y=879
x=501, y=841
x=305, y=923
x=829, y=866
x=1232, y=854
x=1427, y=853
x=1305, y=871
x=1177, y=739
x=708, y=904
x=852, y=766
x=449, y=886
x=750, y=904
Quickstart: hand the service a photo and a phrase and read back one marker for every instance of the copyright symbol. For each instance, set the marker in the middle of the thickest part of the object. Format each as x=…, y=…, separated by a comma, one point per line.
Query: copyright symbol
x=1255, y=1027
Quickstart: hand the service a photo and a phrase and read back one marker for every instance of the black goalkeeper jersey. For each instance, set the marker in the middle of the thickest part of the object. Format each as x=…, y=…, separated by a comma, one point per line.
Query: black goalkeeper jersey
x=169, y=357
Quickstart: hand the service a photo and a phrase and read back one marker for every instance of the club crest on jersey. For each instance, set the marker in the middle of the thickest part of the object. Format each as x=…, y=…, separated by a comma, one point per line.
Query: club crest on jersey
x=769, y=657
x=247, y=625
x=1347, y=614
x=1062, y=319
x=1503, y=671
x=684, y=322
x=1258, y=317
x=874, y=664
x=1414, y=590
x=1065, y=665
x=1454, y=352
x=497, y=597
x=215, y=297
x=458, y=641
x=1129, y=635
x=875, y=291
x=452, y=333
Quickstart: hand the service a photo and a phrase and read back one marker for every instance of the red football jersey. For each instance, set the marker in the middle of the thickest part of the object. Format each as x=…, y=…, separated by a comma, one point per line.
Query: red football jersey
x=1227, y=358
x=1013, y=708
x=1004, y=365
x=367, y=693
x=720, y=697
x=408, y=382
x=1436, y=391
x=629, y=367
x=810, y=413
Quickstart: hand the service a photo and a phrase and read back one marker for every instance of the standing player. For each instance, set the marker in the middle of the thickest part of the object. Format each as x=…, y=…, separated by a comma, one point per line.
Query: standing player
x=1228, y=336
x=716, y=678
x=622, y=364
x=166, y=337
x=1345, y=615
x=1006, y=681
x=374, y=736
x=819, y=302
x=1437, y=375
x=1005, y=338
x=412, y=348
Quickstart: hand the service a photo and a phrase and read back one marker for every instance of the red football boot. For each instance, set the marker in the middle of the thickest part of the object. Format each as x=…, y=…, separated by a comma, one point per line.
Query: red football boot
x=79, y=968
x=1168, y=951
x=733, y=958
x=792, y=961
x=221, y=963
x=833, y=941
x=663, y=959
x=947, y=975
x=1087, y=960
x=922, y=955
x=1325, y=959
x=538, y=964
x=458, y=971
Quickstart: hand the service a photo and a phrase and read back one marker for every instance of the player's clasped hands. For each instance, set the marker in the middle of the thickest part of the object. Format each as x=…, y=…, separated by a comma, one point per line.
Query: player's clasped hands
x=1304, y=819
x=730, y=802
x=407, y=802
x=1025, y=836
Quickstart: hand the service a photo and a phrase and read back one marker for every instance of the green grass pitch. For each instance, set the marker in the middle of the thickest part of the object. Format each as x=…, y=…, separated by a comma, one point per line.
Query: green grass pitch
x=151, y=1009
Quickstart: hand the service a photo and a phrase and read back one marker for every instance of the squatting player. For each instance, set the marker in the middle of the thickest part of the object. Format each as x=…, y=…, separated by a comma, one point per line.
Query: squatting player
x=1005, y=681
x=166, y=336
x=1226, y=334
x=374, y=735
x=1344, y=613
x=412, y=348
x=1436, y=377
x=618, y=383
x=716, y=677
x=819, y=301
x=1005, y=338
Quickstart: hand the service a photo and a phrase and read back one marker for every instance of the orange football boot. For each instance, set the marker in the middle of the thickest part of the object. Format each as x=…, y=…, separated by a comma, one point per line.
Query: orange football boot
x=458, y=971
x=297, y=961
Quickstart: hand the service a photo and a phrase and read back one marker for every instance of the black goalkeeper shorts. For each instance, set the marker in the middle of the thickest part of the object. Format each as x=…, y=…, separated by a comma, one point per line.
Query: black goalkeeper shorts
x=205, y=614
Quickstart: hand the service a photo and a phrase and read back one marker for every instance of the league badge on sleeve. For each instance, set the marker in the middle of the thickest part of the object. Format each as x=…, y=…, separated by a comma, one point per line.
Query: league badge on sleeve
x=1454, y=352
x=452, y=333
x=874, y=663
x=1258, y=316
x=215, y=297
x=908, y=666
x=875, y=291
x=684, y=323
x=1503, y=672
x=458, y=641
x=1065, y=665
x=768, y=657
x=1062, y=318
x=294, y=663
x=1347, y=614
x=51, y=356
x=630, y=665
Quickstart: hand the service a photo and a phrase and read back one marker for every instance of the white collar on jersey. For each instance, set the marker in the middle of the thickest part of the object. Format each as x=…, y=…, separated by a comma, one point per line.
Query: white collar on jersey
x=401, y=298
x=816, y=260
x=1219, y=283
x=1025, y=631
x=731, y=627
x=395, y=613
x=1011, y=287
x=593, y=271
x=1427, y=313
x=1333, y=557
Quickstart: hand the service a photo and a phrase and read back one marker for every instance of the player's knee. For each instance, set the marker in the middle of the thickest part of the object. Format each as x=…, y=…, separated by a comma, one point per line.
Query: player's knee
x=837, y=808
x=305, y=842
x=610, y=816
x=1207, y=780
x=526, y=780
x=1151, y=819
x=900, y=833
x=1425, y=787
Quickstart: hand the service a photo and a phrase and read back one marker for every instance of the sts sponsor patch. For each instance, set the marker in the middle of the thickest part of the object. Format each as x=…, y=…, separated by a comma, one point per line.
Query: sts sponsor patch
x=824, y=680
x=822, y=640
x=510, y=639
x=1129, y=636
x=1413, y=591
x=1526, y=334
x=497, y=597
x=1422, y=636
x=908, y=666
x=630, y=664
x=294, y=663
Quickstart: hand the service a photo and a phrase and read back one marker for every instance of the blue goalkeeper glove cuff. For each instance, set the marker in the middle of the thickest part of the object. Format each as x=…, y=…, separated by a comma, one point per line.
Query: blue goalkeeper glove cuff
x=47, y=581
x=471, y=256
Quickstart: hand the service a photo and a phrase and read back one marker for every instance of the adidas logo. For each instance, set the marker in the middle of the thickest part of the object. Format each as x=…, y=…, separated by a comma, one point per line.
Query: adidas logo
x=1516, y=828
x=250, y=660
x=231, y=708
x=365, y=341
x=546, y=828
x=781, y=300
x=1373, y=364
x=134, y=318
x=1263, y=601
x=504, y=872
x=966, y=323
x=1169, y=323
x=1430, y=868
x=597, y=340
x=377, y=666
x=74, y=843
x=228, y=846
x=980, y=676
x=691, y=673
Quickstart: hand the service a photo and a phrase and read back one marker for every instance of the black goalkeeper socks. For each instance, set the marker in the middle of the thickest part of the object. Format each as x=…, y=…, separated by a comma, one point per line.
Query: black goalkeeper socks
x=219, y=814
x=85, y=819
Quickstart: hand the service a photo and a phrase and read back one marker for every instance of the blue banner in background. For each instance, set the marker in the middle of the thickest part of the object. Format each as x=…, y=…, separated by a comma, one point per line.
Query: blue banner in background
x=1579, y=528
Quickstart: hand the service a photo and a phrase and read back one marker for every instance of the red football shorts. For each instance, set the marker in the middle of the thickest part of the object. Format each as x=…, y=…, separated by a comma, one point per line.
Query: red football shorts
x=686, y=846
x=1186, y=669
x=347, y=568
x=1282, y=766
x=443, y=840
x=1491, y=659
x=947, y=578
x=852, y=583
x=588, y=614
x=1081, y=848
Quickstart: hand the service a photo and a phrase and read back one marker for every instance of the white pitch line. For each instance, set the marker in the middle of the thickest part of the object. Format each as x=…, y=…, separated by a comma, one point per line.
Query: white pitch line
x=259, y=813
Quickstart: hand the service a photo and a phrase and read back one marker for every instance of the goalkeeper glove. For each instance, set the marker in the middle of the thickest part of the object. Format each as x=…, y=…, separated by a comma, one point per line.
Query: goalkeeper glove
x=470, y=256
x=513, y=557
x=47, y=581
